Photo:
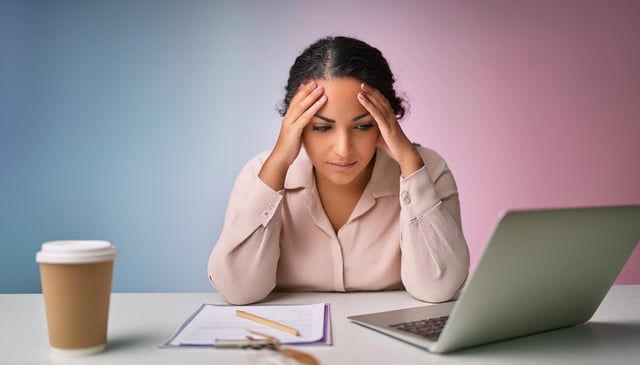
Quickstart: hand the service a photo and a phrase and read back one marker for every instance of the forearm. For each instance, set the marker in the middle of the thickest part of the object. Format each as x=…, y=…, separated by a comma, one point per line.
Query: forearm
x=243, y=263
x=245, y=272
x=410, y=163
x=435, y=257
x=274, y=172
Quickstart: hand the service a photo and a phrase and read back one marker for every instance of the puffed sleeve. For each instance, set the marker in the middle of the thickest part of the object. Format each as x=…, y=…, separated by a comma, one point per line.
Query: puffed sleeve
x=243, y=263
x=435, y=256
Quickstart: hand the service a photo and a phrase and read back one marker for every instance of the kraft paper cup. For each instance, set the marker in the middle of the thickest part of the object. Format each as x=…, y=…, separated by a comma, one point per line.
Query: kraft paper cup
x=76, y=285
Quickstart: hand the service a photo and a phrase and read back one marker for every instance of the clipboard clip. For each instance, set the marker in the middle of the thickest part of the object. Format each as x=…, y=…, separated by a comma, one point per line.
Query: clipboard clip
x=267, y=343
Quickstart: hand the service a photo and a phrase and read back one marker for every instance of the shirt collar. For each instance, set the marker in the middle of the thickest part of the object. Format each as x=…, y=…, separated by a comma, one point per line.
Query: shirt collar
x=385, y=178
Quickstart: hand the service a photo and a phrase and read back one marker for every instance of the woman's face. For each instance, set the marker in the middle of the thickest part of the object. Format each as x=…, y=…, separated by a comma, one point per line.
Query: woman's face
x=341, y=138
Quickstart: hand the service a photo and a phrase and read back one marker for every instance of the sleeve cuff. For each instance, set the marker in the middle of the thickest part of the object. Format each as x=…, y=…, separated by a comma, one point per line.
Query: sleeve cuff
x=261, y=205
x=417, y=193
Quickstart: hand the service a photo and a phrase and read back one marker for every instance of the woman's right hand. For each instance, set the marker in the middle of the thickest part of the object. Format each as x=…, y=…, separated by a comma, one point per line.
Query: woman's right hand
x=302, y=107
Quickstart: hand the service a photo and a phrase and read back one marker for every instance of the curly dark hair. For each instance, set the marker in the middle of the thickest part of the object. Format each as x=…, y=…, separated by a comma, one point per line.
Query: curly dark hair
x=338, y=57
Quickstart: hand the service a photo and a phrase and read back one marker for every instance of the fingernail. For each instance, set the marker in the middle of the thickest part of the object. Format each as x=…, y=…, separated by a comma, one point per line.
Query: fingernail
x=361, y=96
x=364, y=87
x=312, y=84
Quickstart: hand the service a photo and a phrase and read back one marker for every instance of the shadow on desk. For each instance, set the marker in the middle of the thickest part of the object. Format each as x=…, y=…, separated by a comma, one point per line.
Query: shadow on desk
x=589, y=338
x=117, y=343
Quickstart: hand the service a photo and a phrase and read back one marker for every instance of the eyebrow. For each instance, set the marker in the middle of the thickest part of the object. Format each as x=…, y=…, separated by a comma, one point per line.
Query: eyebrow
x=354, y=119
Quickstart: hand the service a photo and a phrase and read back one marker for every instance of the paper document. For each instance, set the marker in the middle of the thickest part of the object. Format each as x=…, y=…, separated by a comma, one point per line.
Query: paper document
x=219, y=322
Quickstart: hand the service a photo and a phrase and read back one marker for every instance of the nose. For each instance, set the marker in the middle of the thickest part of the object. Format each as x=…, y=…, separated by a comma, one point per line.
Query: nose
x=344, y=143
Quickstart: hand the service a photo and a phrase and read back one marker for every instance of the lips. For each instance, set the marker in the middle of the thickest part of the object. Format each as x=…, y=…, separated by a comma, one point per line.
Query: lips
x=342, y=165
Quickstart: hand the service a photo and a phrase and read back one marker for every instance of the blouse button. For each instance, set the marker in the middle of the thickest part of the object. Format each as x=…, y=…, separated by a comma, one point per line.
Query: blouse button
x=405, y=197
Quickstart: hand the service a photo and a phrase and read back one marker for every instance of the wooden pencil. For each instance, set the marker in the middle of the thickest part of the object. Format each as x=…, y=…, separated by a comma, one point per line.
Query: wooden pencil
x=267, y=322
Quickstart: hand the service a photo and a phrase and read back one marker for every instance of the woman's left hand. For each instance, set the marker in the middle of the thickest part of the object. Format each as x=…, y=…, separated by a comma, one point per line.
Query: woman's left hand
x=392, y=139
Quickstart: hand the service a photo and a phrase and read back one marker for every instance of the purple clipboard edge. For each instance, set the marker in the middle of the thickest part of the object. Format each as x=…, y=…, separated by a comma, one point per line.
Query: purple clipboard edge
x=326, y=332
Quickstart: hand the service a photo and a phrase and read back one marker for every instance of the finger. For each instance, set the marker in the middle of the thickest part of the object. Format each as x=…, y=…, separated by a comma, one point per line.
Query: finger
x=293, y=109
x=303, y=91
x=374, y=110
x=304, y=99
x=308, y=114
x=379, y=107
x=378, y=100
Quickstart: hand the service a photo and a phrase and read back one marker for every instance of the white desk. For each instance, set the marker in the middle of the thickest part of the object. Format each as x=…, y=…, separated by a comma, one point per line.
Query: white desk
x=139, y=322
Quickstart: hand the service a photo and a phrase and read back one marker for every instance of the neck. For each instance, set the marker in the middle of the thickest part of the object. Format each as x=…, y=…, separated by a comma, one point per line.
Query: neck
x=339, y=200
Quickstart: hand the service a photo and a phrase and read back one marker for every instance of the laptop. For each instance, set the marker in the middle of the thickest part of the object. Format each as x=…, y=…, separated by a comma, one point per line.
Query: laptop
x=541, y=270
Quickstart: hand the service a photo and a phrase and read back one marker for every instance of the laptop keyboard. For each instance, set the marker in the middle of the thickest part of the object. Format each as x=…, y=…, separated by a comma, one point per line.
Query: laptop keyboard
x=429, y=328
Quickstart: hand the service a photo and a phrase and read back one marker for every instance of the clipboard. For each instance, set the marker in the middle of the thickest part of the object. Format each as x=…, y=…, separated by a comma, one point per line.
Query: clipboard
x=211, y=322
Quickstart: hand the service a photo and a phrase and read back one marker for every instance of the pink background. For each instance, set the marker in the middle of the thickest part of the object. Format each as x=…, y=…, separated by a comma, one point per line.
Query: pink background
x=533, y=105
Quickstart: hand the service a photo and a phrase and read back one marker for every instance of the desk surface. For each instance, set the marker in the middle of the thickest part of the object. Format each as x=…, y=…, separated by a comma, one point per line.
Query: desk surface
x=140, y=322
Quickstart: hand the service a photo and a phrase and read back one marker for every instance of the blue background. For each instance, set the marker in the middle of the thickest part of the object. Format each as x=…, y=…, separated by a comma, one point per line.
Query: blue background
x=127, y=121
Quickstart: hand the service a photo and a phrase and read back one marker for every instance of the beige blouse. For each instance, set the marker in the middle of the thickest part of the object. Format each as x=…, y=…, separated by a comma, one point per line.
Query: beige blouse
x=403, y=233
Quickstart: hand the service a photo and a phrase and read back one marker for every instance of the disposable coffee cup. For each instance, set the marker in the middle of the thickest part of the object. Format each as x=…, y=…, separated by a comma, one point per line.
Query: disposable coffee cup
x=76, y=285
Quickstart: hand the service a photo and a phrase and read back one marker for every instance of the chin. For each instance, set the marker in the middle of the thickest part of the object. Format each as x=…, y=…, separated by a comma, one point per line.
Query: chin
x=341, y=179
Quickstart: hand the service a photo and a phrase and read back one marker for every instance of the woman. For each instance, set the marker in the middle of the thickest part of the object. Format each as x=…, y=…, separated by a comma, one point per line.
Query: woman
x=344, y=201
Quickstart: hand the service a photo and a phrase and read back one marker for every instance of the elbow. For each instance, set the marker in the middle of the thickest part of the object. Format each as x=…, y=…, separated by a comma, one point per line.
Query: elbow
x=239, y=297
x=238, y=293
x=432, y=295
x=436, y=292
x=237, y=289
x=239, y=300
x=438, y=288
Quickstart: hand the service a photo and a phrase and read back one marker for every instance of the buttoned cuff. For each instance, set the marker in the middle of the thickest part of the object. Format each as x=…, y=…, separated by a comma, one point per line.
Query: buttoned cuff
x=417, y=193
x=264, y=201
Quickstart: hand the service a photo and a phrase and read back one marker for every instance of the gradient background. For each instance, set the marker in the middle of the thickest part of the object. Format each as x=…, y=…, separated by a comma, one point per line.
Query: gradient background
x=129, y=120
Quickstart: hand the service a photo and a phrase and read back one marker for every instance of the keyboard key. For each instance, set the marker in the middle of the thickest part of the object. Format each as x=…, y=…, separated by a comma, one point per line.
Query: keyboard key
x=429, y=328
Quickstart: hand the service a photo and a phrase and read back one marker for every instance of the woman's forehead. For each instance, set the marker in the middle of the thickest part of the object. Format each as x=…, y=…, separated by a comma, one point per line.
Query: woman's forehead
x=342, y=98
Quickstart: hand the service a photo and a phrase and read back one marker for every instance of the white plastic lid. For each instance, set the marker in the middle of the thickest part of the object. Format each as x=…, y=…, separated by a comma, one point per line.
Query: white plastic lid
x=76, y=252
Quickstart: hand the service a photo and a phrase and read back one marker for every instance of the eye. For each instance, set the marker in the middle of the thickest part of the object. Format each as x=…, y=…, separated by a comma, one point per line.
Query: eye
x=364, y=127
x=320, y=128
